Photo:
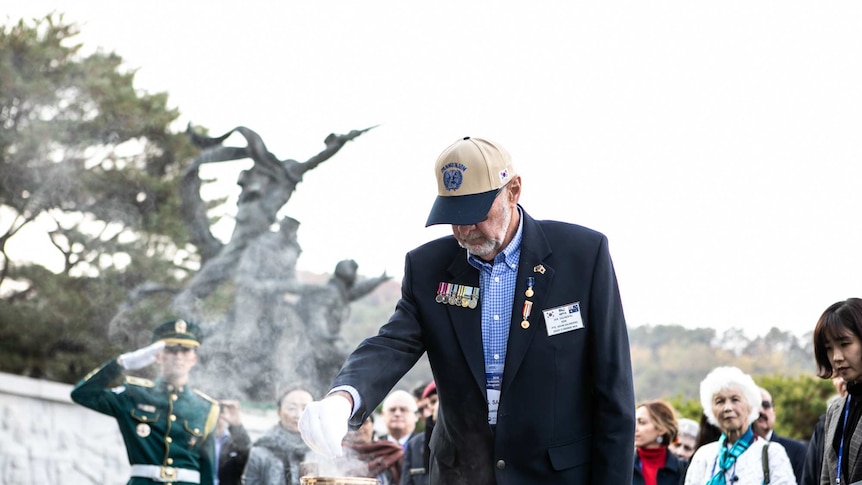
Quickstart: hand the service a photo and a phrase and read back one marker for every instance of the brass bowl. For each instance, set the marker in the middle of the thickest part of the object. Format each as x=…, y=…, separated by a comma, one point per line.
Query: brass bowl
x=338, y=481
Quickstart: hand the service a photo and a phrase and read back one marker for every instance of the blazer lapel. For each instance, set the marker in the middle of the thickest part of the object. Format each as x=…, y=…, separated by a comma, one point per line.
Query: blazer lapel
x=855, y=443
x=467, y=322
x=534, y=250
x=832, y=423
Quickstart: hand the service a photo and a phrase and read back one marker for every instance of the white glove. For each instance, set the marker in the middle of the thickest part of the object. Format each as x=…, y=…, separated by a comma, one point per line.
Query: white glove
x=142, y=357
x=323, y=425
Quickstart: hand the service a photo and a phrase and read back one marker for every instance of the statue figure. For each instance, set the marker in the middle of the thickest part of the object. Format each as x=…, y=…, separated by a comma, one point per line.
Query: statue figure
x=322, y=311
x=277, y=330
x=266, y=187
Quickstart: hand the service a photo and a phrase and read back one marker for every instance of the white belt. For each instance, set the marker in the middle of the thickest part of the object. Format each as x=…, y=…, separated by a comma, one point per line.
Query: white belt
x=166, y=473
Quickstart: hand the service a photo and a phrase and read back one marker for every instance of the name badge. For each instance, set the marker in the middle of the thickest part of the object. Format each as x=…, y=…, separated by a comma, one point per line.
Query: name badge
x=493, y=384
x=493, y=405
x=563, y=319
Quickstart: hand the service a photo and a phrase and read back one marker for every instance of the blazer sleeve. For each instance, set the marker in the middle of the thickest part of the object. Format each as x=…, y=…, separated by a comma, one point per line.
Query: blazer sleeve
x=613, y=440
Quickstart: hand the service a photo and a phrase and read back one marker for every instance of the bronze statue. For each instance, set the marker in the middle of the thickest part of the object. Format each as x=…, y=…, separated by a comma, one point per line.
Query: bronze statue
x=276, y=331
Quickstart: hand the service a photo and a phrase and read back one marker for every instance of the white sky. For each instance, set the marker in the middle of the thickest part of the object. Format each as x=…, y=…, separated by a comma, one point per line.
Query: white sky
x=716, y=144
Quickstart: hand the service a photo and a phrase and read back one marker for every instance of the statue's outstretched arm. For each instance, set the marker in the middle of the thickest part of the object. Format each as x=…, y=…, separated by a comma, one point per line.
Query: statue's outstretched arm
x=364, y=287
x=333, y=144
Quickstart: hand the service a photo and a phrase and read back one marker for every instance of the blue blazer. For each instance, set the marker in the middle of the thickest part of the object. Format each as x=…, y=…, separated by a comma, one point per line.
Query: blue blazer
x=566, y=412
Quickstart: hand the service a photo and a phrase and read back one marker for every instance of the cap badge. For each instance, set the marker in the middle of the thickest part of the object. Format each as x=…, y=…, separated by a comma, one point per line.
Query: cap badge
x=504, y=175
x=453, y=175
x=180, y=326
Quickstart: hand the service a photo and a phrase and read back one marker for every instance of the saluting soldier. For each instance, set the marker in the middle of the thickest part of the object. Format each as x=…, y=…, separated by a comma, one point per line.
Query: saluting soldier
x=166, y=425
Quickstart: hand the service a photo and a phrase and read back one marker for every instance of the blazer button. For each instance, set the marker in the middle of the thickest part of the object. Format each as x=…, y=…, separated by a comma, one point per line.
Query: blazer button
x=501, y=464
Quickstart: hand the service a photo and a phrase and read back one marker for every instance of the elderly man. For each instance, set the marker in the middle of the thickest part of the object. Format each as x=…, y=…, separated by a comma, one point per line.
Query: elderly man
x=524, y=330
x=167, y=426
x=764, y=426
x=399, y=417
x=686, y=439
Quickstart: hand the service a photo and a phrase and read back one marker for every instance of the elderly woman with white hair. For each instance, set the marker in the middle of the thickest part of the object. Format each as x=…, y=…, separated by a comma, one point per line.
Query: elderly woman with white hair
x=731, y=401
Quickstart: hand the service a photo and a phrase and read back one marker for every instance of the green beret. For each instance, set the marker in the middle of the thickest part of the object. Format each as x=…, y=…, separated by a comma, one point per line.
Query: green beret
x=178, y=332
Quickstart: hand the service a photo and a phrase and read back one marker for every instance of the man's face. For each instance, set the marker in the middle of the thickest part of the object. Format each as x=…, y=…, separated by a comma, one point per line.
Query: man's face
x=486, y=239
x=684, y=447
x=176, y=362
x=399, y=416
x=292, y=406
x=766, y=421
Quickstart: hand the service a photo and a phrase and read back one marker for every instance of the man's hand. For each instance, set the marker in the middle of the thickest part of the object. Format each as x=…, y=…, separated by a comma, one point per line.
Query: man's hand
x=323, y=424
x=142, y=357
x=230, y=412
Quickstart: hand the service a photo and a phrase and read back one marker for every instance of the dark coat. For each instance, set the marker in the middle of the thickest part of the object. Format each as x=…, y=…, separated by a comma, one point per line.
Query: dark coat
x=414, y=471
x=814, y=455
x=233, y=456
x=672, y=473
x=566, y=411
x=796, y=451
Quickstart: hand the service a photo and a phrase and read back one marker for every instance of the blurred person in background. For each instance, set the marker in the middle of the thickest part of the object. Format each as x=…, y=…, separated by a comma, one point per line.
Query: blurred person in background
x=167, y=425
x=706, y=433
x=655, y=429
x=764, y=426
x=232, y=444
x=731, y=401
x=686, y=439
x=276, y=456
x=399, y=417
x=838, y=352
x=366, y=456
x=417, y=453
x=814, y=454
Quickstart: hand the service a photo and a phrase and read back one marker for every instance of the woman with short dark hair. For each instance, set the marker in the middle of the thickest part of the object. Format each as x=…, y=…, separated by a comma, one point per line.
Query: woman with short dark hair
x=838, y=352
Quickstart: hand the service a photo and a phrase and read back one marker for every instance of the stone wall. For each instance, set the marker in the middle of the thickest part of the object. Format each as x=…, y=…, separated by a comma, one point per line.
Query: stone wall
x=45, y=438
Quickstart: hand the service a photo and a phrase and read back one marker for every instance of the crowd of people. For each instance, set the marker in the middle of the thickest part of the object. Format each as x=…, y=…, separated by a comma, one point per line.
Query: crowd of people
x=734, y=442
x=522, y=323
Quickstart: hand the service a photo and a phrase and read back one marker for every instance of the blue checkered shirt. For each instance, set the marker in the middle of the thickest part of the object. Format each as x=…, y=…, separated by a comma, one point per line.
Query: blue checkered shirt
x=497, y=292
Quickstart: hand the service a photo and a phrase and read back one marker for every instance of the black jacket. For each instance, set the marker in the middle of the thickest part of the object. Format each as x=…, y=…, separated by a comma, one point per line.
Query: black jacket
x=566, y=410
x=672, y=473
x=796, y=451
x=233, y=455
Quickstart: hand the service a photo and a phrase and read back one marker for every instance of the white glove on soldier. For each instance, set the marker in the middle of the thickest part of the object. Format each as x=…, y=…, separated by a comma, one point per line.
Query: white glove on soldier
x=323, y=425
x=142, y=357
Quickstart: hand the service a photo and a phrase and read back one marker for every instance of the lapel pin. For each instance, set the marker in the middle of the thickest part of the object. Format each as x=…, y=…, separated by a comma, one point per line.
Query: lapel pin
x=539, y=269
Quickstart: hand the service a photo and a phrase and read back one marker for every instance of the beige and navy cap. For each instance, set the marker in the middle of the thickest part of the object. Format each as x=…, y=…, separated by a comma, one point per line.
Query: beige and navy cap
x=178, y=332
x=469, y=173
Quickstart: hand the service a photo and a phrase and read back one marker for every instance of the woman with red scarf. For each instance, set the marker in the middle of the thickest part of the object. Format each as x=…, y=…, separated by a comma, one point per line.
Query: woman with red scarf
x=655, y=429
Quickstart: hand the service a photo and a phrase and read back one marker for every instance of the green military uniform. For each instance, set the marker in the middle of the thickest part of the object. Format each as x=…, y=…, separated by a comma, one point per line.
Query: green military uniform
x=167, y=429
